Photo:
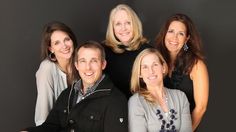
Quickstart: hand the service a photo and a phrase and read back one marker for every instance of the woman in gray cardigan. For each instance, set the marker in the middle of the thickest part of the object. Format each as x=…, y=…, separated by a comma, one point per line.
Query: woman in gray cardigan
x=154, y=108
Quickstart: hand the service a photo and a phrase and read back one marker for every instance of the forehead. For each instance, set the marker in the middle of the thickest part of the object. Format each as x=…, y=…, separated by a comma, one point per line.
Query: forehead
x=58, y=34
x=177, y=25
x=89, y=53
x=121, y=15
x=150, y=58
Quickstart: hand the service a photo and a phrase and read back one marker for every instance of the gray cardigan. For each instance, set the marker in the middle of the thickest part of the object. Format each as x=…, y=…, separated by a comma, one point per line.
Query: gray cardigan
x=147, y=117
x=51, y=81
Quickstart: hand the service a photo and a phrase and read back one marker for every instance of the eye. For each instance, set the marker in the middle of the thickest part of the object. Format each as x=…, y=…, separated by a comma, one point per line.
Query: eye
x=128, y=23
x=155, y=64
x=56, y=42
x=81, y=61
x=117, y=24
x=94, y=60
x=67, y=39
x=182, y=33
x=170, y=31
x=144, y=67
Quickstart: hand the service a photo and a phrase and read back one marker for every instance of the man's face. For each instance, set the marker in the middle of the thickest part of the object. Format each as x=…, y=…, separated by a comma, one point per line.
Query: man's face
x=89, y=65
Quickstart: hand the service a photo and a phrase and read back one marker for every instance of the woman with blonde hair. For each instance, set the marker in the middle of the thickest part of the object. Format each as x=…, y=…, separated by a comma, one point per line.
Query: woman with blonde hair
x=154, y=107
x=124, y=40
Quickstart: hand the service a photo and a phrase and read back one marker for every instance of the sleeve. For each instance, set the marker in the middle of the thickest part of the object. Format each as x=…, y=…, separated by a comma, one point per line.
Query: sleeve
x=53, y=121
x=186, y=123
x=45, y=92
x=137, y=121
x=116, y=116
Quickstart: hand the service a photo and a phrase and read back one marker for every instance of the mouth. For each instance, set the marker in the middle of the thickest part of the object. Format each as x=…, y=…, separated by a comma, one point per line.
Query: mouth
x=152, y=77
x=124, y=34
x=66, y=51
x=88, y=74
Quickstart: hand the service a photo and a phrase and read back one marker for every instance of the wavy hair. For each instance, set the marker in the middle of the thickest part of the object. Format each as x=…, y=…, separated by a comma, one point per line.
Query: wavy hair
x=138, y=39
x=185, y=60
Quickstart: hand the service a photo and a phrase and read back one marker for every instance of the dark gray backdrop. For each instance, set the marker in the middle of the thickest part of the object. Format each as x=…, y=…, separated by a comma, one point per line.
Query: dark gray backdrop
x=21, y=23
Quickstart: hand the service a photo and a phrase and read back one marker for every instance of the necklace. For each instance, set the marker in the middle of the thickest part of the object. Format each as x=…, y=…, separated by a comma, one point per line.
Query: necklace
x=167, y=121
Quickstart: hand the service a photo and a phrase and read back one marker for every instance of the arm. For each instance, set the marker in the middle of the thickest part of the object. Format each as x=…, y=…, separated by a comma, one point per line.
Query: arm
x=186, y=123
x=56, y=115
x=137, y=121
x=116, y=116
x=200, y=79
x=45, y=96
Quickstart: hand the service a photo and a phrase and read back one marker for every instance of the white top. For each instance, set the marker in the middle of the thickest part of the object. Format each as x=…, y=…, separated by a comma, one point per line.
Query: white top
x=51, y=81
x=147, y=117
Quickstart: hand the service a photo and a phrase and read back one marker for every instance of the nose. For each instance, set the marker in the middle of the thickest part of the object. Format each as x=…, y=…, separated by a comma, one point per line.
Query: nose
x=88, y=66
x=151, y=70
x=64, y=45
x=123, y=27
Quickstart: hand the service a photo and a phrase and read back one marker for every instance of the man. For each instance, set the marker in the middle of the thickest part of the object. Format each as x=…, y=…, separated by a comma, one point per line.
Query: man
x=93, y=104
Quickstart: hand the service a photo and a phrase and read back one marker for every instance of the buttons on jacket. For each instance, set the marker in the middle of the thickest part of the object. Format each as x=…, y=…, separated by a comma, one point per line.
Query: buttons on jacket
x=71, y=121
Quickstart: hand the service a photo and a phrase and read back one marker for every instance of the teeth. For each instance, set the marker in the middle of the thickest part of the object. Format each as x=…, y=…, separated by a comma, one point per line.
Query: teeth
x=173, y=43
x=88, y=74
x=152, y=77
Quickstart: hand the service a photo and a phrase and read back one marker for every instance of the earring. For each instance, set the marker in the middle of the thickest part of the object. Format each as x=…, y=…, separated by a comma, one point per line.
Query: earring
x=185, y=47
x=52, y=57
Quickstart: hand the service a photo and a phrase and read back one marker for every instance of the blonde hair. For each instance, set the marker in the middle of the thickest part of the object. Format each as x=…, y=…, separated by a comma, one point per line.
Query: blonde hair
x=138, y=39
x=137, y=83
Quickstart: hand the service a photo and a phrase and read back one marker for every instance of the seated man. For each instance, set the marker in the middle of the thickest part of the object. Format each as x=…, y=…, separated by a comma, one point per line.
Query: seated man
x=93, y=103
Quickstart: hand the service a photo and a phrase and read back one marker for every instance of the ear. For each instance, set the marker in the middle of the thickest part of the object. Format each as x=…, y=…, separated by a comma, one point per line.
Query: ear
x=163, y=69
x=76, y=66
x=50, y=49
x=187, y=39
x=104, y=64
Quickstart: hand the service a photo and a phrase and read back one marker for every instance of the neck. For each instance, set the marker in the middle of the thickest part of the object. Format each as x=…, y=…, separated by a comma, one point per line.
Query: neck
x=64, y=65
x=157, y=91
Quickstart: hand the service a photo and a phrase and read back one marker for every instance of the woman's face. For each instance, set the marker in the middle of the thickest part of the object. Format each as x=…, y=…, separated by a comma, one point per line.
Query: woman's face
x=151, y=70
x=122, y=26
x=61, y=45
x=176, y=37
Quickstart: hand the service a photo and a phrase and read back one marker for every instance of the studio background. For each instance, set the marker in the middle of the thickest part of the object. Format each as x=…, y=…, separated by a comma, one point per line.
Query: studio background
x=21, y=23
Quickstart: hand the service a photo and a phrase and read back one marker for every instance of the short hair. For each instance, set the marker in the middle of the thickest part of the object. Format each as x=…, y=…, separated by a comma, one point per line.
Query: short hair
x=137, y=40
x=48, y=30
x=93, y=45
x=137, y=83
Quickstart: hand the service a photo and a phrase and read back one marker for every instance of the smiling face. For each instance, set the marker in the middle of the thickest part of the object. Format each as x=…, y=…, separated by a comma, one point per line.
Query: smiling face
x=176, y=37
x=89, y=65
x=151, y=70
x=123, y=27
x=61, y=45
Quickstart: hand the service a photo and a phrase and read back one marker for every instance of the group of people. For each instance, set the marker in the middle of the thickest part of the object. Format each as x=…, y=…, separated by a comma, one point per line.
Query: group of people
x=123, y=83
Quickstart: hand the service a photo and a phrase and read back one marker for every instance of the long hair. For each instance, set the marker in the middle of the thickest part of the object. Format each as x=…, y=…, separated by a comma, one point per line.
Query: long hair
x=46, y=43
x=137, y=83
x=185, y=60
x=138, y=39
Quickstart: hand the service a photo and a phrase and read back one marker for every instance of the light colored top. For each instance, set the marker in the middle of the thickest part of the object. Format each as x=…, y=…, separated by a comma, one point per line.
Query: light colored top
x=144, y=116
x=51, y=81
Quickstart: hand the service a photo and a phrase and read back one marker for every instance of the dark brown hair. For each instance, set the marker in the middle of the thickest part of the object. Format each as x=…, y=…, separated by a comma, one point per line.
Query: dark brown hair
x=46, y=43
x=185, y=60
x=46, y=36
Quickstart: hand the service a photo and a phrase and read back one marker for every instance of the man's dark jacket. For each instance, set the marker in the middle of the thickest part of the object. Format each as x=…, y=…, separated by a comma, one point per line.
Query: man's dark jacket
x=105, y=110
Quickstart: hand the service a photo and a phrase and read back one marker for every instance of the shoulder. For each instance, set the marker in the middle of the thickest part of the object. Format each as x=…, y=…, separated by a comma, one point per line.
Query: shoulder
x=46, y=67
x=135, y=100
x=117, y=95
x=199, y=68
x=175, y=93
x=47, y=64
